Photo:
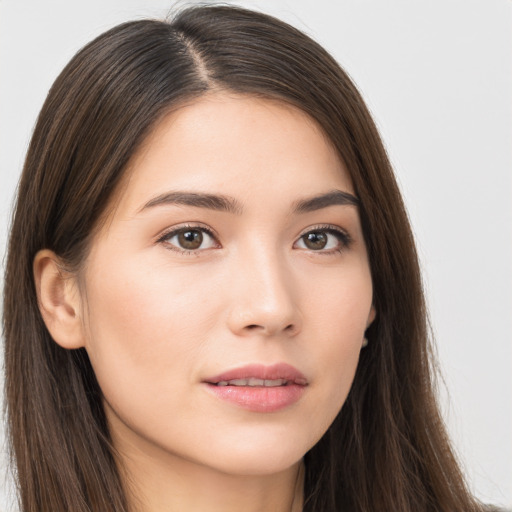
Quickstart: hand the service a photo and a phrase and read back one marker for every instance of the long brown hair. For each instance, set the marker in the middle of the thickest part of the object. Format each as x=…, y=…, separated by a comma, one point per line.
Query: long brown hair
x=387, y=450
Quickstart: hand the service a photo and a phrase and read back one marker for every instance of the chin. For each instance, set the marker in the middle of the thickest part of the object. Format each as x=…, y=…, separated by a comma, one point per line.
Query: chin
x=256, y=464
x=262, y=453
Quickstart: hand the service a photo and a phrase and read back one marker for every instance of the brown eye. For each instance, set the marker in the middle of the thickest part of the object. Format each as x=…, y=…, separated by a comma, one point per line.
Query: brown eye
x=325, y=240
x=315, y=240
x=190, y=239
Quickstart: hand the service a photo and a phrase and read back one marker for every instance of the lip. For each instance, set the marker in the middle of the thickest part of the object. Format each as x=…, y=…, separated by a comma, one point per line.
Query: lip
x=259, y=398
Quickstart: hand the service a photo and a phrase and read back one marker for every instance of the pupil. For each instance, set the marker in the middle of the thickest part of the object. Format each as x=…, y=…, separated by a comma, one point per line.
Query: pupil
x=190, y=239
x=316, y=241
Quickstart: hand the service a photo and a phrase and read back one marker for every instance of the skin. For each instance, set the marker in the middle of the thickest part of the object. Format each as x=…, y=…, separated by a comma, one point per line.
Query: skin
x=156, y=319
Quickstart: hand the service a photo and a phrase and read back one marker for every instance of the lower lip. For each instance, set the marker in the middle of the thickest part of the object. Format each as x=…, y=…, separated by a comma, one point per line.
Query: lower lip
x=259, y=399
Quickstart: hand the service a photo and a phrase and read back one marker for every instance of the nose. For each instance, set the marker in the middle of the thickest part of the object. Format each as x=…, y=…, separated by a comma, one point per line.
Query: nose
x=264, y=298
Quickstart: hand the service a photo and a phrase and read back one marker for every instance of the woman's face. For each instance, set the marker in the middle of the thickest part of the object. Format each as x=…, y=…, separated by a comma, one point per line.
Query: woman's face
x=226, y=298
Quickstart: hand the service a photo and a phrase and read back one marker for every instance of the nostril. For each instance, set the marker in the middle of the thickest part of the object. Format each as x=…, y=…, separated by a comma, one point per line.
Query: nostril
x=255, y=327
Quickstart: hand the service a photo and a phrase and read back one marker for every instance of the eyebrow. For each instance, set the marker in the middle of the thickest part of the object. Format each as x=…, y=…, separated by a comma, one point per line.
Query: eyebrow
x=199, y=200
x=335, y=197
x=231, y=205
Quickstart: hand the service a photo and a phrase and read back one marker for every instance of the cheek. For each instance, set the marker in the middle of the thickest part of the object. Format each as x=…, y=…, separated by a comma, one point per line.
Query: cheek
x=338, y=306
x=146, y=327
x=338, y=314
x=147, y=302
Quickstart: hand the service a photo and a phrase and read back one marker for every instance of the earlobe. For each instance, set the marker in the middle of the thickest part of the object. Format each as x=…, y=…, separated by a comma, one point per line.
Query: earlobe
x=59, y=300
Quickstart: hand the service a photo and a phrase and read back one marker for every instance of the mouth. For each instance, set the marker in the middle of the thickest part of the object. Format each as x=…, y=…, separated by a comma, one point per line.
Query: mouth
x=254, y=382
x=259, y=388
x=259, y=375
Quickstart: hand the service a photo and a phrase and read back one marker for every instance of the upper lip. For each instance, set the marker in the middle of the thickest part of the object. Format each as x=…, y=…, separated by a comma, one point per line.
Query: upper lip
x=260, y=371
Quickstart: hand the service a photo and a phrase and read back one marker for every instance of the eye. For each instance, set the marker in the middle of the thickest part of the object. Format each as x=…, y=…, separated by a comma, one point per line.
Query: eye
x=324, y=239
x=189, y=239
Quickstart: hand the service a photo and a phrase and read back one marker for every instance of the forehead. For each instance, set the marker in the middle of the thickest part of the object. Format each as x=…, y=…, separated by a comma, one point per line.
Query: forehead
x=238, y=145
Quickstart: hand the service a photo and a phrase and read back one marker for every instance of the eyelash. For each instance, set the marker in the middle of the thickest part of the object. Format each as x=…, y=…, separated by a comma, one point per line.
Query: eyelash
x=342, y=236
x=168, y=235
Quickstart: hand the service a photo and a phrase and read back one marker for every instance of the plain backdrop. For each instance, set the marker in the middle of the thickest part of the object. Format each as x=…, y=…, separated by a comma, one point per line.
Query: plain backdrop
x=437, y=75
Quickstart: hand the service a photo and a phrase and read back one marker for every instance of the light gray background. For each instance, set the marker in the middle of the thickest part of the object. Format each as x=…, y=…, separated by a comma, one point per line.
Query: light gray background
x=437, y=75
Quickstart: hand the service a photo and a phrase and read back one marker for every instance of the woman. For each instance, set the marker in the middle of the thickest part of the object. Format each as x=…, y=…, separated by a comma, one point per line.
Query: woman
x=212, y=296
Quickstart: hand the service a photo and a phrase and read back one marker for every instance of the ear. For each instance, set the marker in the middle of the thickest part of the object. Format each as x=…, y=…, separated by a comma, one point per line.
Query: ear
x=371, y=316
x=59, y=300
